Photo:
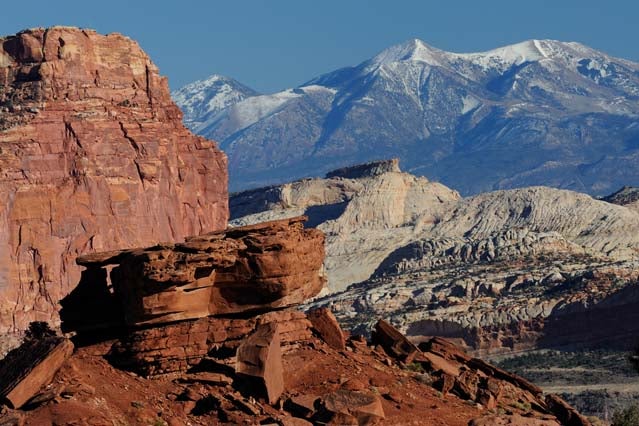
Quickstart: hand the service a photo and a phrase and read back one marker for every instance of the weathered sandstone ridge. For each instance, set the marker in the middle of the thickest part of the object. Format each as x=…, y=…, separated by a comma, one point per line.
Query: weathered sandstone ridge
x=365, y=211
x=214, y=321
x=627, y=196
x=93, y=157
x=212, y=289
x=501, y=272
x=260, y=267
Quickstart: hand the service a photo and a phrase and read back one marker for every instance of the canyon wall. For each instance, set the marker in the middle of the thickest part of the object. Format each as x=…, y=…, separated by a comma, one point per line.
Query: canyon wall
x=93, y=157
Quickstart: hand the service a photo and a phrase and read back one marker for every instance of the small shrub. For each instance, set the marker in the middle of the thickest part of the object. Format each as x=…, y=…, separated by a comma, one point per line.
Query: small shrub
x=626, y=417
x=416, y=367
x=634, y=359
x=521, y=405
x=38, y=330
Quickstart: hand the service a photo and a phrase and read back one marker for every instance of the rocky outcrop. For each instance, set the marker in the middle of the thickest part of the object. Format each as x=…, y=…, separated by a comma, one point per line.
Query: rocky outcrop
x=202, y=297
x=371, y=169
x=94, y=157
x=470, y=378
x=566, y=414
x=254, y=268
x=256, y=362
x=627, y=196
x=394, y=223
x=366, y=213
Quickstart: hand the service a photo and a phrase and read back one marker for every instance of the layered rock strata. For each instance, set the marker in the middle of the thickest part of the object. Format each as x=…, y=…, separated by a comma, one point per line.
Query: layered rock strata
x=500, y=272
x=202, y=297
x=93, y=157
x=256, y=268
x=173, y=348
x=366, y=212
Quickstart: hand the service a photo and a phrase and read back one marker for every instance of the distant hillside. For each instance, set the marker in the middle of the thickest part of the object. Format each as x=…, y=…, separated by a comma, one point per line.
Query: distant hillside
x=540, y=112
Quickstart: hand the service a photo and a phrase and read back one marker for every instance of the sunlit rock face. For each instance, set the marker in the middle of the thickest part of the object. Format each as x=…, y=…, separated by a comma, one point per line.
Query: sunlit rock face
x=93, y=157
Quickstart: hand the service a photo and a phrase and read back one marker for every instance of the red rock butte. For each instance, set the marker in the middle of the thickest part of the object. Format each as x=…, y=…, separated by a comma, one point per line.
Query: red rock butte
x=93, y=157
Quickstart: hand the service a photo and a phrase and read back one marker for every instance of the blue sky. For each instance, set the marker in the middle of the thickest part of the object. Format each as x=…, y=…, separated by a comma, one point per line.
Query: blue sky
x=273, y=44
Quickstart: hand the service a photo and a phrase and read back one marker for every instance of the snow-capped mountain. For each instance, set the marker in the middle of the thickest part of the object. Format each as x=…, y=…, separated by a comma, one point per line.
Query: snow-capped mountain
x=203, y=99
x=537, y=112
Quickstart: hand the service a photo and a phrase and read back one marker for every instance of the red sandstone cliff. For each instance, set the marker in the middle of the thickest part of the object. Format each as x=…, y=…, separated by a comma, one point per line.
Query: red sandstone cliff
x=93, y=157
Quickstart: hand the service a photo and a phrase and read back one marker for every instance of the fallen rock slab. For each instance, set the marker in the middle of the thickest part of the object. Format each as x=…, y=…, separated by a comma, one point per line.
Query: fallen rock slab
x=206, y=377
x=326, y=325
x=29, y=367
x=259, y=357
x=302, y=405
x=393, y=342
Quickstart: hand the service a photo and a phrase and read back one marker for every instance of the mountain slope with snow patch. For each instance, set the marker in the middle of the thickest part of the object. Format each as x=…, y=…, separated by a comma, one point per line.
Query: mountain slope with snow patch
x=537, y=112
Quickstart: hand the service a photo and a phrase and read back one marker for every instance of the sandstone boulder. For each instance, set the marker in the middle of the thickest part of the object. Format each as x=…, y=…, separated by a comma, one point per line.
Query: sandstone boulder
x=393, y=342
x=351, y=407
x=325, y=324
x=260, y=357
x=259, y=267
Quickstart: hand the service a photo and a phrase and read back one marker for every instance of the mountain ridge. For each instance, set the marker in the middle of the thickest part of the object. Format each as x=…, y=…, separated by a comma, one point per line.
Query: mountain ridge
x=206, y=97
x=536, y=112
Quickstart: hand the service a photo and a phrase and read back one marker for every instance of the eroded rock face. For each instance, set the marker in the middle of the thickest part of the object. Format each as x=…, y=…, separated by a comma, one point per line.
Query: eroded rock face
x=366, y=212
x=255, y=268
x=94, y=157
x=171, y=348
x=177, y=303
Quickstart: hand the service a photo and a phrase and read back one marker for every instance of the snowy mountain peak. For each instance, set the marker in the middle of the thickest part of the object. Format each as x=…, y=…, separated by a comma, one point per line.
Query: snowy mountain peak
x=411, y=50
x=205, y=83
x=204, y=98
x=464, y=118
x=515, y=54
